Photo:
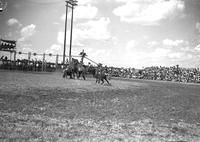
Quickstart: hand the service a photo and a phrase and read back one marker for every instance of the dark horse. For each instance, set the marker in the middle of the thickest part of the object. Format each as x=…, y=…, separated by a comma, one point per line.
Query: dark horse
x=75, y=69
x=101, y=75
x=68, y=71
x=80, y=70
x=92, y=70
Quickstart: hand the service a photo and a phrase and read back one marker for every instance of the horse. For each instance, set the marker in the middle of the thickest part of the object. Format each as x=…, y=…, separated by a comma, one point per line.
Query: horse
x=80, y=70
x=68, y=71
x=101, y=76
x=91, y=70
x=75, y=69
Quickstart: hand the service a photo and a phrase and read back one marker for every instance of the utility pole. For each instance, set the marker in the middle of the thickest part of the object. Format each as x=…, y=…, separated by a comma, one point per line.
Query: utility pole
x=71, y=4
x=70, y=45
x=65, y=33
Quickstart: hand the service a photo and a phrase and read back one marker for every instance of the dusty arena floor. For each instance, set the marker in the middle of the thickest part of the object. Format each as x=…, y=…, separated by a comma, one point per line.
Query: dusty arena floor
x=44, y=107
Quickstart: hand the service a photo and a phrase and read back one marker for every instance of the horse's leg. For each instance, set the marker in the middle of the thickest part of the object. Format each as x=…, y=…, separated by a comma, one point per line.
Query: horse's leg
x=74, y=74
x=71, y=75
x=106, y=80
x=84, y=77
x=102, y=81
x=96, y=77
x=64, y=75
x=79, y=74
x=99, y=79
x=83, y=74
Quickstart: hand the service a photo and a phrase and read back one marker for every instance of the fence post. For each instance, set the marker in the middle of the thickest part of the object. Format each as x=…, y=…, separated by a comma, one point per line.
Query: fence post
x=15, y=59
x=29, y=57
x=43, y=63
x=15, y=55
x=57, y=56
x=10, y=65
x=10, y=55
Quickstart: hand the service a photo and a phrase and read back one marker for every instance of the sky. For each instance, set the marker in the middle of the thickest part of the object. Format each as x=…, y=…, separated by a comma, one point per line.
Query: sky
x=120, y=33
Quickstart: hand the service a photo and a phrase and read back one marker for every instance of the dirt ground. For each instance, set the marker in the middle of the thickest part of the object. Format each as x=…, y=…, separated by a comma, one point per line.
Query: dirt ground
x=44, y=107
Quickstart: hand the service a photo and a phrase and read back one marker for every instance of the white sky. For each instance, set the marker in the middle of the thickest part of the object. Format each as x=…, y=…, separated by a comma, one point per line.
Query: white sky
x=121, y=33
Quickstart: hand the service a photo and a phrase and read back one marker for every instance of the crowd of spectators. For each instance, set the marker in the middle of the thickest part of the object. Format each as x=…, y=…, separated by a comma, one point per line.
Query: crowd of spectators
x=121, y=72
x=173, y=73
x=26, y=65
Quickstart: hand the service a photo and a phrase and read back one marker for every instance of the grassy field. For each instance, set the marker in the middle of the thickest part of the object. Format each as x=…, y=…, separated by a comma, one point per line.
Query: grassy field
x=44, y=107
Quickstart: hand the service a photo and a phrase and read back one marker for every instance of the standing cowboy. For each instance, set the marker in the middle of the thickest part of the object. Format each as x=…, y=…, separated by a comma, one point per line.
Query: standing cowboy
x=83, y=55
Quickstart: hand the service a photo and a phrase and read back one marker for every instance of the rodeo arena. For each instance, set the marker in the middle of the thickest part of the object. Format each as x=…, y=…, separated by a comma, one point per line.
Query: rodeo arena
x=32, y=63
x=72, y=98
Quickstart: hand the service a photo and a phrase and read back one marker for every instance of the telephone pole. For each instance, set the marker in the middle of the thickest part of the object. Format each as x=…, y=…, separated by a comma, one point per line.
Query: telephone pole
x=65, y=33
x=71, y=4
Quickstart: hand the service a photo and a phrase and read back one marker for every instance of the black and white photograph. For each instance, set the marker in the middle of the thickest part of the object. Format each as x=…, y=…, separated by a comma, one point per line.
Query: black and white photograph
x=99, y=70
